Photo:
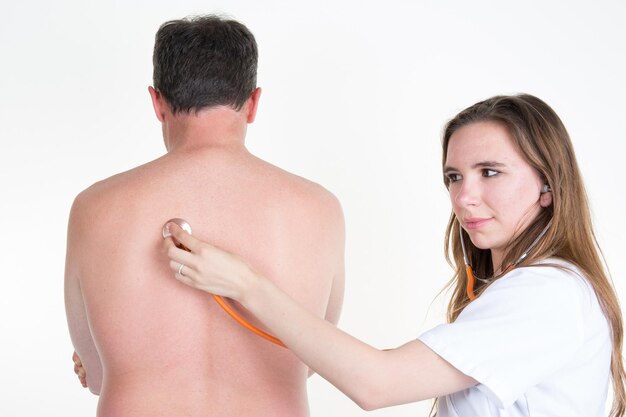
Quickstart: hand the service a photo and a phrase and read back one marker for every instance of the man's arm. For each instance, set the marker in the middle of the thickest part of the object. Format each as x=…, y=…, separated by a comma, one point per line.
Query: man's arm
x=335, y=302
x=333, y=311
x=335, y=299
x=75, y=306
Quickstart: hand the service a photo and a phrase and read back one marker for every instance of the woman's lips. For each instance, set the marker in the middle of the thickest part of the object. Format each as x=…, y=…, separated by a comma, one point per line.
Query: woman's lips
x=476, y=222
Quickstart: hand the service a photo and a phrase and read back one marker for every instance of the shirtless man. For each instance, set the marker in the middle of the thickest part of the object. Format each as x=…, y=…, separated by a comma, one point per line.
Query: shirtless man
x=150, y=345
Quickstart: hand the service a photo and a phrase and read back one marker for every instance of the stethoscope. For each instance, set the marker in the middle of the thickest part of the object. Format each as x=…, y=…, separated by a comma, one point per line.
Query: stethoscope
x=470, y=273
x=222, y=303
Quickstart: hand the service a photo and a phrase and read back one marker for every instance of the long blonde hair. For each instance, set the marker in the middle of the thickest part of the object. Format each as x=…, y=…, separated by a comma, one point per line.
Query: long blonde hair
x=542, y=139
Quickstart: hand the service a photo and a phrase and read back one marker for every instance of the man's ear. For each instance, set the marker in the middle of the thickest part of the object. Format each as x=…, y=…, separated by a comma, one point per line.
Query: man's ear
x=157, y=103
x=253, y=104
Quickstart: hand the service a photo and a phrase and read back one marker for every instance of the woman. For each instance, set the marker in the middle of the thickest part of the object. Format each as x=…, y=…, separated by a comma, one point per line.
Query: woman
x=538, y=331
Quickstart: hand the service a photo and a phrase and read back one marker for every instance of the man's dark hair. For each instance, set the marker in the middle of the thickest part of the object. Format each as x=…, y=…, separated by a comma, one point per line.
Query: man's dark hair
x=204, y=61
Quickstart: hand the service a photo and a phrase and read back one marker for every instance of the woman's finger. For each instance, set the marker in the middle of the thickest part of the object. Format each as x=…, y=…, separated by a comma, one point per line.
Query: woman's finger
x=185, y=238
x=185, y=270
x=208, y=268
x=183, y=265
x=192, y=278
x=179, y=255
x=187, y=280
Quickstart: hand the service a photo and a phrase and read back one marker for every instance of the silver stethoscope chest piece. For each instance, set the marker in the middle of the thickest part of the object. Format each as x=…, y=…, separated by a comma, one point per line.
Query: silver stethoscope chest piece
x=182, y=223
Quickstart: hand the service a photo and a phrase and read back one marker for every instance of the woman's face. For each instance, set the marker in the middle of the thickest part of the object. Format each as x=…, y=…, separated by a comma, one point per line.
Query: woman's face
x=495, y=193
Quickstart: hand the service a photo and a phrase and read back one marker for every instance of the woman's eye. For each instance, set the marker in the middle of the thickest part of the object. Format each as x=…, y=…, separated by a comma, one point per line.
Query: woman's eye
x=454, y=177
x=489, y=173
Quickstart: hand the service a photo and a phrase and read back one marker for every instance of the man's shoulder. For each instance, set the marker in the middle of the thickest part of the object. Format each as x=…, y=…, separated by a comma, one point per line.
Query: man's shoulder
x=103, y=198
x=291, y=197
x=113, y=188
x=309, y=195
x=305, y=188
x=296, y=188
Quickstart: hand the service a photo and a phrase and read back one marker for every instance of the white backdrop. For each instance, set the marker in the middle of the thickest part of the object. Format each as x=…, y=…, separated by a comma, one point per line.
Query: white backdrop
x=355, y=95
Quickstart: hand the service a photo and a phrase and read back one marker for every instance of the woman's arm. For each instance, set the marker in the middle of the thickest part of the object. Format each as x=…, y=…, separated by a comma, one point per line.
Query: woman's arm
x=370, y=377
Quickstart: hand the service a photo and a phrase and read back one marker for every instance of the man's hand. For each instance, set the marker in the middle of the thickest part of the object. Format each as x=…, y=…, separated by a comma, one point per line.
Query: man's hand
x=79, y=370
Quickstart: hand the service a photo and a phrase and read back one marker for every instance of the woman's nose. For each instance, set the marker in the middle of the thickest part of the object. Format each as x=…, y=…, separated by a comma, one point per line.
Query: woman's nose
x=468, y=194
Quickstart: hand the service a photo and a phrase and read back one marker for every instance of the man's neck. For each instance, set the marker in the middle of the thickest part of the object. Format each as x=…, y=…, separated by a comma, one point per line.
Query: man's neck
x=219, y=127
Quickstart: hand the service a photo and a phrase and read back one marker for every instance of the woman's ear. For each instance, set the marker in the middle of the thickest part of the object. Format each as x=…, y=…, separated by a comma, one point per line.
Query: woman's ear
x=545, y=199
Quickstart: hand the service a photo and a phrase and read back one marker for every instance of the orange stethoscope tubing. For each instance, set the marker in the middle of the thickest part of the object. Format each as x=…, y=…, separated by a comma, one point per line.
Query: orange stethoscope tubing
x=470, y=282
x=468, y=269
x=228, y=309
x=220, y=300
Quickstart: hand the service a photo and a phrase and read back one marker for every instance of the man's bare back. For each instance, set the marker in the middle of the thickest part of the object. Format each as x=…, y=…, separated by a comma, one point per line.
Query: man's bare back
x=151, y=346
x=167, y=349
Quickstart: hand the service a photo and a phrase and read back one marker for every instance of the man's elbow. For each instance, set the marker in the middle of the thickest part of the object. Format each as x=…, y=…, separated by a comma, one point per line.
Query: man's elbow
x=94, y=390
x=94, y=379
x=94, y=386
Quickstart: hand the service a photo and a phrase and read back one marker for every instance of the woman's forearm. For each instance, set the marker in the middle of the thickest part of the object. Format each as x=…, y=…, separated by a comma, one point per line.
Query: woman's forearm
x=346, y=362
x=370, y=377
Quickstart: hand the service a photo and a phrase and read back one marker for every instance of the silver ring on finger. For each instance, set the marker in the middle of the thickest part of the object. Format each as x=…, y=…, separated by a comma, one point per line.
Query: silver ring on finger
x=180, y=269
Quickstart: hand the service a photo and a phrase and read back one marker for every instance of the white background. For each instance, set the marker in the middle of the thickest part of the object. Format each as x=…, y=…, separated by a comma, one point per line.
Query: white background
x=355, y=95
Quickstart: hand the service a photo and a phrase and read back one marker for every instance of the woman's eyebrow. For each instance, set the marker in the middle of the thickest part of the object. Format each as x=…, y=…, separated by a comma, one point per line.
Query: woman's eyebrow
x=488, y=164
x=483, y=164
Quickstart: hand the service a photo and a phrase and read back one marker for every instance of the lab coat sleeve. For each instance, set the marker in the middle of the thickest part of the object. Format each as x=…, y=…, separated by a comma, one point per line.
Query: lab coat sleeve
x=524, y=327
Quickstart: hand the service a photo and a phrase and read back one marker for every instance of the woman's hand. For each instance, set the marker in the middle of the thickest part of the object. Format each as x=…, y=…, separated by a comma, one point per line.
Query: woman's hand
x=207, y=267
x=79, y=370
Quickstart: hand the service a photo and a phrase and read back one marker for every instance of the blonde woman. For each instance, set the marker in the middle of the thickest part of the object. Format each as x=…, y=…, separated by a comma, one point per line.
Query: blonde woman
x=534, y=328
